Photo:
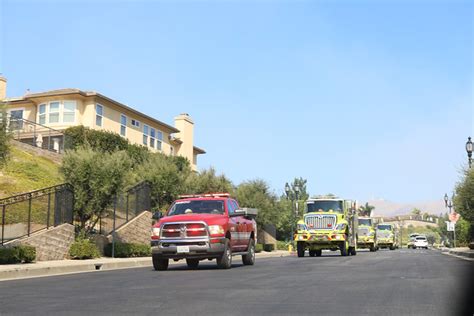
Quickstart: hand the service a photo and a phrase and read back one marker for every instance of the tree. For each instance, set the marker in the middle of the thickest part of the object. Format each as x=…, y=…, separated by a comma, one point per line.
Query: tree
x=167, y=177
x=208, y=181
x=303, y=194
x=97, y=178
x=366, y=210
x=464, y=199
x=416, y=211
x=5, y=136
x=257, y=194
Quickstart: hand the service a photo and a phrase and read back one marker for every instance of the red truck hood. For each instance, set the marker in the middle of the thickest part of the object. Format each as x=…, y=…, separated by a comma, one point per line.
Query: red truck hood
x=210, y=219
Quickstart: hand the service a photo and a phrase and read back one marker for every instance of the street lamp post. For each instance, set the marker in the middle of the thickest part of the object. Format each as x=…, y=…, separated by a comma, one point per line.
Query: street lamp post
x=449, y=204
x=469, y=148
x=294, y=208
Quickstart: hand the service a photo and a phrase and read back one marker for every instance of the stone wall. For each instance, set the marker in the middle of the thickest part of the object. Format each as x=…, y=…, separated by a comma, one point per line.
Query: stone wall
x=267, y=235
x=50, y=244
x=137, y=230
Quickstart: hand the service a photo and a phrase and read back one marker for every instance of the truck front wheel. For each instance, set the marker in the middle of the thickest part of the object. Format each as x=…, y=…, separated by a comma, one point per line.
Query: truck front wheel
x=225, y=261
x=392, y=247
x=249, y=258
x=344, y=248
x=160, y=264
x=318, y=252
x=300, y=248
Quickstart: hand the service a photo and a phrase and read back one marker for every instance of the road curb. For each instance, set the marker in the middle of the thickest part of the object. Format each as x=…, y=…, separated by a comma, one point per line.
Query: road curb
x=462, y=253
x=51, y=268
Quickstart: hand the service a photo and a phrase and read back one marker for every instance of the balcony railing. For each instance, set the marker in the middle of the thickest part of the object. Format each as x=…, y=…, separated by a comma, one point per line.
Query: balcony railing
x=35, y=134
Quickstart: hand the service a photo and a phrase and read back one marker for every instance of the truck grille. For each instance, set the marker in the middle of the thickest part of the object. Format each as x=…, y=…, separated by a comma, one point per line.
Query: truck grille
x=320, y=221
x=364, y=231
x=184, y=230
x=383, y=233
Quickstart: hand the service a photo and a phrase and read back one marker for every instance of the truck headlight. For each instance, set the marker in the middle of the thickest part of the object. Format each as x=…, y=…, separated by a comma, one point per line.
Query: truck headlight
x=301, y=227
x=155, y=233
x=216, y=230
x=341, y=226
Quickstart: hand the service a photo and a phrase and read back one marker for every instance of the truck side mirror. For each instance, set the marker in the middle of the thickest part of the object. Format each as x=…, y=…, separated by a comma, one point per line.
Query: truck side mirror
x=157, y=215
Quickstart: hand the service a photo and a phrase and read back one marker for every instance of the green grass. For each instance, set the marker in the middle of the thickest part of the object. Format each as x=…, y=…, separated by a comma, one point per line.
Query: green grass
x=26, y=172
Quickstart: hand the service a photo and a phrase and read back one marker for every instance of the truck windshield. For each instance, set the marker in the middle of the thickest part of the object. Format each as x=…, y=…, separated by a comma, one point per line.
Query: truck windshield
x=384, y=227
x=197, y=207
x=324, y=206
x=365, y=222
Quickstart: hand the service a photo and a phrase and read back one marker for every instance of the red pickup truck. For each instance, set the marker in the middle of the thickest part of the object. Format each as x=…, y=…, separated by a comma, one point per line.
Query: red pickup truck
x=207, y=226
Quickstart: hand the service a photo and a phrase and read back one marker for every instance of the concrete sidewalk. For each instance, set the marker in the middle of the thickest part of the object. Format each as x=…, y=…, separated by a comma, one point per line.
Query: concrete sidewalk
x=463, y=252
x=59, y=267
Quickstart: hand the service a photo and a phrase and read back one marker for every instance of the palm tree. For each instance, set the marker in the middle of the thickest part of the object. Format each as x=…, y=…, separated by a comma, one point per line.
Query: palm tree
x=366, y=210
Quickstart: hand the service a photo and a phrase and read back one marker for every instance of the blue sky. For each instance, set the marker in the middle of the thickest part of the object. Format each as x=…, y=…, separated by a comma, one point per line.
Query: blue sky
x=362, y=98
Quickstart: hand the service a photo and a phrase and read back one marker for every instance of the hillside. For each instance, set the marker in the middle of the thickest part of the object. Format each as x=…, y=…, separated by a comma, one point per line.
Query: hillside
x=389, y=208
x=26, y=171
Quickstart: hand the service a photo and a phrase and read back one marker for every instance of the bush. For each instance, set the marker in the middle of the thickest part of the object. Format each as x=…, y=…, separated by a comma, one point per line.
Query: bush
x=128, y=250
x=83, y=249
x=282, y=245
x=268, y=247
x=27, y=253
x=17, y=254
x=258, y=248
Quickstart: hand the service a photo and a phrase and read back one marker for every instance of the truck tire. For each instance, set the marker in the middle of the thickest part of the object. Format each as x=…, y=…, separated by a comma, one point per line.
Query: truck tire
x=352, y=251
x=312, y=253
x=318, y=252
x=225, y=261
x=392, y=248
x=160, y=264
x=343, y=248
x=372, y=249
x=192, y=263
x=249, y=258
x=300, y=249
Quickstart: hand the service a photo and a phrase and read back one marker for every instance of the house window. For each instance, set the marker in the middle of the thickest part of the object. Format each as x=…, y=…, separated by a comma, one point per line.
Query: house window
x=42, y=114
x=99, y=114
x=54, y=112
x=160, y=140
x=152, y=137
x=69, y=111
x=145, y=135
x=135, y=123
x=123, y=125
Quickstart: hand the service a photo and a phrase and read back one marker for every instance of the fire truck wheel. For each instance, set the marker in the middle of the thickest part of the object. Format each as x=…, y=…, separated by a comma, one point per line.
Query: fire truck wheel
x=352, y=251
x=192, y=263
x=343, y=247
x=160, y=264
x=392, y=248
x=372, y=248
x=312, y=253
x=300, y=248
x=225, y=261
x=318, y=253
x=249, y=258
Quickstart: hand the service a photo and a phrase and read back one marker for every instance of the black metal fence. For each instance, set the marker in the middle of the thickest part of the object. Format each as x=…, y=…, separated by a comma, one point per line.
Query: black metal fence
x=35, y=134
x=126, y=207
x=30, y=212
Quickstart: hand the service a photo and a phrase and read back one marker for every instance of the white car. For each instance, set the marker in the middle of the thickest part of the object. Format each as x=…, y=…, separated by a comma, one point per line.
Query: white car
x=420, y=242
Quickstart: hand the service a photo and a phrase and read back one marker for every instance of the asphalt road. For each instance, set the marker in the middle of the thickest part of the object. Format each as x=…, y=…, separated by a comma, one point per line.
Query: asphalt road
x=400, y=282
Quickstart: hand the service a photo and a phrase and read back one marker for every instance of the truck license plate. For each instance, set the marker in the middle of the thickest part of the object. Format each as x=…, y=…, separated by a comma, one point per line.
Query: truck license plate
x=182, y=249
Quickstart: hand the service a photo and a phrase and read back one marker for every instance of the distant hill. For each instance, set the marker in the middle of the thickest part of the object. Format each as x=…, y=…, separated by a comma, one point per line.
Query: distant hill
x=27, y=170
x=389, y=208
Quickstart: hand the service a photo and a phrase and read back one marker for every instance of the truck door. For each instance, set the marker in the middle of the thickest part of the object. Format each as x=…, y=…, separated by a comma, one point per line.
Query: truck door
x=237, y=227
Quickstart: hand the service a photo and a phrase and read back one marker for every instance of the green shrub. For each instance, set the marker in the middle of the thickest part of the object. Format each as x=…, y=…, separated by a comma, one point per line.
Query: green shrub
x=83, y=249
x=268, y=247
x=128, y=250
x=17, y=254
x=282, y=245
x=258, y=248
x=9, y=255
x=27, y=253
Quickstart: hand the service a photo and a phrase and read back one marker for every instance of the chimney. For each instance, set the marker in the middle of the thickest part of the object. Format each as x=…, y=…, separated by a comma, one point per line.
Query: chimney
x=3, y=88
x=185, y=124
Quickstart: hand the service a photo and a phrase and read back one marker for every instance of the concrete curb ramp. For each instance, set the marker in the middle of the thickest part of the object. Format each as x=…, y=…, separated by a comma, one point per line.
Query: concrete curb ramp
x=60, y=267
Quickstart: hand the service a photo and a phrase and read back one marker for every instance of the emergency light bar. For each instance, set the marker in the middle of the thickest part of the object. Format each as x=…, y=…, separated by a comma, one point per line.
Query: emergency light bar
x=187, y=196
